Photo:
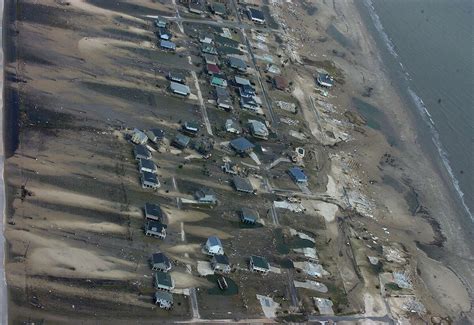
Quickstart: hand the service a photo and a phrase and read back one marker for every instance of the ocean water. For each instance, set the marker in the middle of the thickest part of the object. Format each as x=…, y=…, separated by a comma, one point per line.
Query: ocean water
x=432, y=42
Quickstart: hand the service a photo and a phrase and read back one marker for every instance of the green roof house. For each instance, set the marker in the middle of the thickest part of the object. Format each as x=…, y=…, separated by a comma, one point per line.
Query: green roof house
x=163, y=281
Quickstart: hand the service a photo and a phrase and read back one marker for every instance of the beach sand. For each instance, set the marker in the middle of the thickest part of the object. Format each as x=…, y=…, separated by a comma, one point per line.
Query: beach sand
x=75, y=239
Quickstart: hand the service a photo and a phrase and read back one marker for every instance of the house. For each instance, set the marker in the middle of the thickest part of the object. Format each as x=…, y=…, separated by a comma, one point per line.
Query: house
x=232, y=126
x=258, y=129
x=155, y=229
x=141, y=152
x=149, y=180
x=205, y=195
x=242, y=184
x=259, y=264
x=206, y=38
x=248, y=216
x=242, y=145
x=230, y=168
x=160, y=262
x=179, y=89
x=298, y=175
x=238, y=64
x=325, y=80
x=177, y=77
x=280, y=83
x=163, y=281
x=191, y=128
x=161, y=22
x=273, y=68
x=167, y=45
x=155, y=135
x=164, y=300
x=213, y=246
x=164, y=33
x=225, y=41
x=223, y=98
x=196, y=7
x=239, y=81
x=256, y=15
x=204, y=146
x=212, y=69
x=139, y=137
x=209, y=49
x=249, y=103
x=181, y=141
x=211, y=59
x=218, y=9
x=220, y=263
x=153, y=212
x=218, y=81
x=247, y=91
x=146, y=165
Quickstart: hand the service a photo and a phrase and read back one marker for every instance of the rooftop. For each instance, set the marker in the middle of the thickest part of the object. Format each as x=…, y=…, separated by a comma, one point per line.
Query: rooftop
x=141, y=150
x=256, y=14
x=237, y=63
x=242, y=184
x=213, y=68
x=163, y=279
x=241, y=144
x=249, y=214
x=149, y=177
x=179, y=88
x=153, y=209
x=155, y=226
x=214, y=241
x=164, y=295
x=168, y=45
x=260, y=262
x=298, y=174
x=221, y=259
x=148, y=164
x=160, y=258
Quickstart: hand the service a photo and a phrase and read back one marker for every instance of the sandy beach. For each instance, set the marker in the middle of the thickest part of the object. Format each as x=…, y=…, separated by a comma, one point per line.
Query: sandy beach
x=80, y=75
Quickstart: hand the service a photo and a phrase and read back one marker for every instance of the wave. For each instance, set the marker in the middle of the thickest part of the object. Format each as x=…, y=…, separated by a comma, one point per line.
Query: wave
x=379, y=27
x=420, y=105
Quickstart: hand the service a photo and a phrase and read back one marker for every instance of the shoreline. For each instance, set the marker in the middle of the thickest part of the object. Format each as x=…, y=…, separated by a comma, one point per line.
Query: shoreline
x=455, y=237
x=432, y=137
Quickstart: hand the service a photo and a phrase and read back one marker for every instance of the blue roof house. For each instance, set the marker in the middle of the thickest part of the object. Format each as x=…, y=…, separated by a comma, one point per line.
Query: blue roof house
x=298, y=175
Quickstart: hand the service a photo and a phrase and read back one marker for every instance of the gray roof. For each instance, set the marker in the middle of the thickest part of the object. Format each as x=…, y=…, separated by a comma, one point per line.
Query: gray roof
x=141, y=151
x=148, y=164
x=155, y=226
x=241, y=81
x=257, y=14
x=149, y=177
x=160, y=258
x=249, y=214
x=179, y=88
x=153, y=210
x=168, y=45
x=221, y=259
x=164, y=295
x=237, y=63
x=242, y=184
x=155, y=134
x=214, y=241
x=181, y=140
x=258, y=128
x=241, y=144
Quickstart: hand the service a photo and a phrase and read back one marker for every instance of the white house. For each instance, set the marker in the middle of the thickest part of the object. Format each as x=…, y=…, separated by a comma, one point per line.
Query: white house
x=214, y=246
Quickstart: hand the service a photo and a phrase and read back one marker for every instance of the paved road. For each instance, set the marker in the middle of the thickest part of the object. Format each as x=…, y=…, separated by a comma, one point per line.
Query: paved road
x=3, y=280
